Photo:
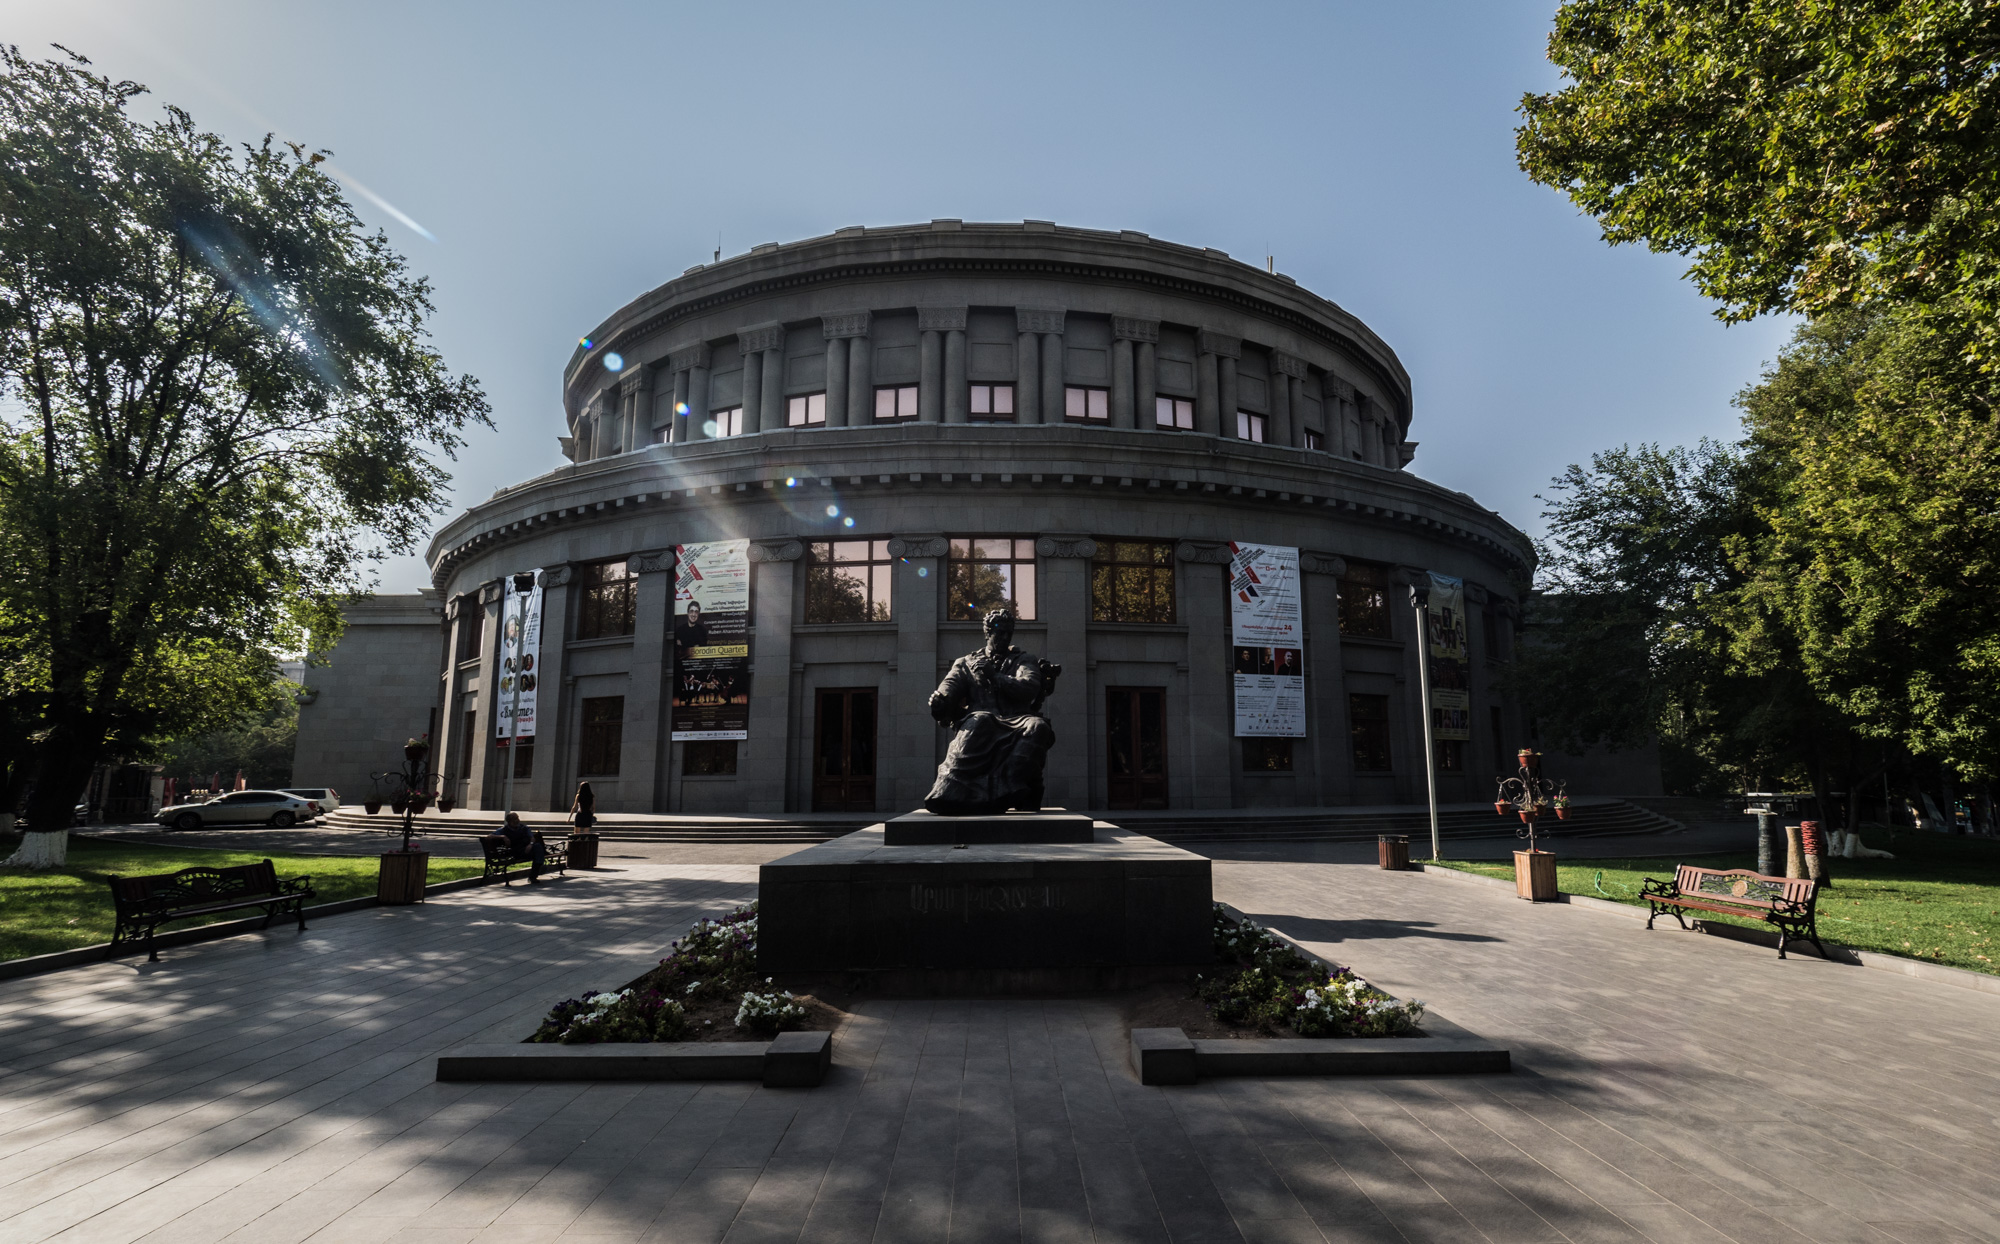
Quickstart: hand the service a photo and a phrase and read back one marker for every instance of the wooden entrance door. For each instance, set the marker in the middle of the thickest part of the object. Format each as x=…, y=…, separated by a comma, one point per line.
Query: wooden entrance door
x=844, y=750
x=1135, y=746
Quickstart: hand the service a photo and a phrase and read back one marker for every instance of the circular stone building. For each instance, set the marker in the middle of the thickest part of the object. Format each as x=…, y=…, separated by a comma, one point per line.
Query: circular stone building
x=912, y=424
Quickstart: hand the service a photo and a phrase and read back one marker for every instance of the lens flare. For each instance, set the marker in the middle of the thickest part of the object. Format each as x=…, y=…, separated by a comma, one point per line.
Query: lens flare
x=680, y=408
x=833, y=511
x=614, y=362
x=791, y=481
x=708, y=428
x=586, y=343
x=847, y=522
x=923, y=572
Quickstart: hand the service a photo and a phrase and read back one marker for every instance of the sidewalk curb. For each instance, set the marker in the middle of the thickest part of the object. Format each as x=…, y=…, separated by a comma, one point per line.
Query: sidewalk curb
x=56, y=961
x=1961, y=978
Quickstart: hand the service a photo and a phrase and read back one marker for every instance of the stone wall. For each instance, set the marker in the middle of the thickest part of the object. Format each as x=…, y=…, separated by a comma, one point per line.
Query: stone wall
x=375, y=690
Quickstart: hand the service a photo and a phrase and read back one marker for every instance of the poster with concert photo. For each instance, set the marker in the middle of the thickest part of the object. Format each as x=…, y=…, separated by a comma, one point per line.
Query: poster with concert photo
x=1267, y=635
x=520, y=648
x=1451, y=684
x=711, y=681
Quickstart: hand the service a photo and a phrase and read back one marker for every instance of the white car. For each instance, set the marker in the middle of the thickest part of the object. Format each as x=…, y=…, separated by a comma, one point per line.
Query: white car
x=241, y=807
x=324, y=798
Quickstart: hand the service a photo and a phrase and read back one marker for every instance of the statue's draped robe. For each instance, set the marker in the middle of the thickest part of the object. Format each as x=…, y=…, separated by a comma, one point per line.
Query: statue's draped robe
x=1000, y=742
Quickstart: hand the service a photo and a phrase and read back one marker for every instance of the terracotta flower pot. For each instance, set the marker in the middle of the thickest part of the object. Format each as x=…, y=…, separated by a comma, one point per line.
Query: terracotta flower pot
x=1562, y=814
x=1500, y=807
x=1527, y=816
x=373, y=805
x=397, y=805
x=419, y=804
x=445, y=803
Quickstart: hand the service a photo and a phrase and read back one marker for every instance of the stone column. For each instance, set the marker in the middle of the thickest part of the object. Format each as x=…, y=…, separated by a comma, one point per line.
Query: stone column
x=1225, y=393
x=764, y=759
x=860, y=382
x=1333, y=404
x=753, y=388
x=481, y=786
x=679, y=421
x=773, y=416
x=957, y=396
x=1062, y=592
x=1206, y=420
x=1219, y=353
x=1052, y=378
x=643, y=777
x=1038, y=392
x=696, y=359
x=553, y=755
x=1121, y=383
x=1131, y=359
x=1146, y=386
x=1326, y=681
x=1286, y=413
x=908, y=740
x=935, y=384
x=842, y=407
x=1027, y=378
x=1211, y=707
x=636, y=394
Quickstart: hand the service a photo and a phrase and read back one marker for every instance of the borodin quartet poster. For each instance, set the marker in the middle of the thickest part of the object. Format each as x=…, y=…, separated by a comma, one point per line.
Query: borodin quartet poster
x=711, y=641
x=520, y=649
x=1451, y=689
x=1267, y=635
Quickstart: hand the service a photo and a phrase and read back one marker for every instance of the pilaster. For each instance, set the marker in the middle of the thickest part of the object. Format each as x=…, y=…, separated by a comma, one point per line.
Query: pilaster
x=554, y=739
x=957, y=398
x=1027, y=373
x=1326, y=680
x=481, y=783
x=765, y=757
x=643, y=775
x=908, y=741
x=1062, y=590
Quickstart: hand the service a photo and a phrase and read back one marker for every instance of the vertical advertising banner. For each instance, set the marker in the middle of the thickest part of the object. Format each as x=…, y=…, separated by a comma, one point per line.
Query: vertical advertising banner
x=520, y=652
x=1451, y=687
x=712, y=640
x=1267, y=636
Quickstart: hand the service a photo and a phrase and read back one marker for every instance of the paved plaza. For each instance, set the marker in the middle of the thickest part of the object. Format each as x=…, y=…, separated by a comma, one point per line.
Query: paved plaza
x=1668, y=1087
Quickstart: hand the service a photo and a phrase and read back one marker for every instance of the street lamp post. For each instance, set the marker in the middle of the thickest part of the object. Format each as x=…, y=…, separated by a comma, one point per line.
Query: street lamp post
x=524, y=583
x=1420, y=600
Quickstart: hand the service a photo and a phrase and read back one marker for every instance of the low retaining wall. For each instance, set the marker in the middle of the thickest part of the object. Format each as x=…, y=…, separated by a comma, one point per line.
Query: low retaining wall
x=792, y=1060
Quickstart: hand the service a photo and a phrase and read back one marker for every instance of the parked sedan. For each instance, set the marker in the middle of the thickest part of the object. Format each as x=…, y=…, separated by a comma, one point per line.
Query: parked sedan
x=323, y=798
x=240, y=807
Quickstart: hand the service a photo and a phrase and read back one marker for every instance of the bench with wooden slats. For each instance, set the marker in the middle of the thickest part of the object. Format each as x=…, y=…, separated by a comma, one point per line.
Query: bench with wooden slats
x=1785, y=903
x=500, y=857
x=146, y=903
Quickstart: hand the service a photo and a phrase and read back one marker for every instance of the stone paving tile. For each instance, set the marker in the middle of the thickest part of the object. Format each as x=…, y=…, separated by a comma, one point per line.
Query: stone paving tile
x=280, y=1087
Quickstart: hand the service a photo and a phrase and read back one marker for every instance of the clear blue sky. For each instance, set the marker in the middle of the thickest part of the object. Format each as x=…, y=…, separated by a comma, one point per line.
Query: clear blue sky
x=566, y=157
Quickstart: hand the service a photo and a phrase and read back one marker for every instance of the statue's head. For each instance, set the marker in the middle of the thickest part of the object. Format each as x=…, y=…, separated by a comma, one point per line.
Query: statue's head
x=1000, y=622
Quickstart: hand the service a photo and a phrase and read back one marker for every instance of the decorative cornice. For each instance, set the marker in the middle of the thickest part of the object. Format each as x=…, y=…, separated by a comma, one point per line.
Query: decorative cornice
x=1289, y=364
x=941, y=319
x=1038, y=319
x=638, y=380
x=757, y=337
x=692, y=356
x=1475, y=593
x=785, y=550
x=556, y=576
x=489, y=592
x=568, y=446
x=918, y=546
x=1124, y=328
x=1066, y=546
x=652, y=561
x=1322, y=563
x=1219, y=343
x=1204, y=552
x=1338, y=388
x=845, y=324
x=451, y=608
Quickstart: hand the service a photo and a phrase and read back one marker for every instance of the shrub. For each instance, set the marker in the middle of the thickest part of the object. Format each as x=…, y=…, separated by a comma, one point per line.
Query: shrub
x=769, y=1012
x=717, y=958
x=627, y=1015
x=1344, y=1005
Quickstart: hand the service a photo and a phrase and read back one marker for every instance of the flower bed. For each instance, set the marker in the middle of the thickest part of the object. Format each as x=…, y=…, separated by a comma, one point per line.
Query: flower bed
x=706, y=989
x=1270, y=988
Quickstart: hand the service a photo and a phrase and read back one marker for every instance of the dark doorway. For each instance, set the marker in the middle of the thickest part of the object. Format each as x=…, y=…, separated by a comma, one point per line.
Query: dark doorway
x=1135, y=746
x=844, y=751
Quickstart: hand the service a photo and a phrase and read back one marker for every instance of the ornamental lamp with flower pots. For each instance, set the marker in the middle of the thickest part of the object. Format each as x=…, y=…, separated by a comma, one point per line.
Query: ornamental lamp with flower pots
x=1531, y=796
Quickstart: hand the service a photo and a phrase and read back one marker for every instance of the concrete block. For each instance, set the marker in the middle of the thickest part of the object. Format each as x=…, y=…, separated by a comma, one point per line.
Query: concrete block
x=798, y=1059
x=924, y=829
x=1163, y=1056
x=686, y=1060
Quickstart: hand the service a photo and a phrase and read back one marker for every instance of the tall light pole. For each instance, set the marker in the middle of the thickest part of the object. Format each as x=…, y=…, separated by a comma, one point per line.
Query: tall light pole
x=1420, y=600
x=524, y=584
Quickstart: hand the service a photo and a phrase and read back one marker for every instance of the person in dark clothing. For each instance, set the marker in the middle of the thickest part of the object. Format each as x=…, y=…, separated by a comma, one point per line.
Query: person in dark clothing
x=583, y=810
x=523, y=841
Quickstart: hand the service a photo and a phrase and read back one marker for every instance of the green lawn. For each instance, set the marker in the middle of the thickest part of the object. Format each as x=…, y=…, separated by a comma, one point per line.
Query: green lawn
x=63, y=908
x=1938, y=900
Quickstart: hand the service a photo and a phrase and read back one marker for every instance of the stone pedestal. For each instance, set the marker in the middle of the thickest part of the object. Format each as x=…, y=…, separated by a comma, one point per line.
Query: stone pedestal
x=926, y=829
x=1119, y=910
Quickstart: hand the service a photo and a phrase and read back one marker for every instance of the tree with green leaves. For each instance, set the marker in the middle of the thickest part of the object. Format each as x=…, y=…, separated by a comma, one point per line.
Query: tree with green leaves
x=223, y=406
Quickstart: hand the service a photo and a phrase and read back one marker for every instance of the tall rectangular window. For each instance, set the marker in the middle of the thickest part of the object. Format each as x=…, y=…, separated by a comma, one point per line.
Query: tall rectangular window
x=601, y=736
x=1132, y=581
x=728, y=422
x=992, y=403
x=607, y=600
x=524, y=757
x=1249, y=427
x=1368, y=726
x=990, y=572
x=1174, y=412
x=807, y=410
x=848, y=581
x=899, y=402
x=1087, y=405
x=471, y=627
x=1314, y=440
x=1263, y=755
x=1450, y=755
x=1364, y=601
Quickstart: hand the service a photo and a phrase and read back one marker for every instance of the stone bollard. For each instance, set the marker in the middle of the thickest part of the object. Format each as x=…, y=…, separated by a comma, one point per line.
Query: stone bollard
x=1767, y=844
x=1813, y=843
x=1795, y=853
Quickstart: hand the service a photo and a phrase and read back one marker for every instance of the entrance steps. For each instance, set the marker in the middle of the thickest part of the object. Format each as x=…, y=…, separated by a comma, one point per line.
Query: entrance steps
x=1588, y=818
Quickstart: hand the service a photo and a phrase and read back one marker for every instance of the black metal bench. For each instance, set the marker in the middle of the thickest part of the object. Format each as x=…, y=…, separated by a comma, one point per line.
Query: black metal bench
x=1785, y=903
x=146, y=903
x=500, y=857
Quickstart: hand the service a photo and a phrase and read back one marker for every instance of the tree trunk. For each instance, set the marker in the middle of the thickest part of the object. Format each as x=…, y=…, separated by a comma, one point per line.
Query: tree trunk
x=63, y=774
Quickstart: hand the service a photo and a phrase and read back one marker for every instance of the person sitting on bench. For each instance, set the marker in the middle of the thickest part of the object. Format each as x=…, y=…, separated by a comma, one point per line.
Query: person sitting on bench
x=521, y=840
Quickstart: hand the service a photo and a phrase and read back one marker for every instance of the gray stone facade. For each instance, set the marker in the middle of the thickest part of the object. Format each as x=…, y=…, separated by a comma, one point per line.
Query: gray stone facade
x=374, y=691
x=1115, y=326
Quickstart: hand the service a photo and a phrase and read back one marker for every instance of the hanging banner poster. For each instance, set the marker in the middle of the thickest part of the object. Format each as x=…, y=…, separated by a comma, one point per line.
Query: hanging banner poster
x=1267, y=637
x=1451, y=684
x=712, y=640
x=520, y=651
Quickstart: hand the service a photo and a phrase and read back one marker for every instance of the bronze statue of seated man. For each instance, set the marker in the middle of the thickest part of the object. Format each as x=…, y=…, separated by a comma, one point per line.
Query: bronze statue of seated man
x=991, y=700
